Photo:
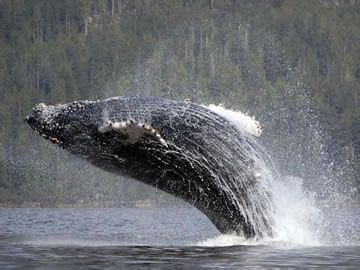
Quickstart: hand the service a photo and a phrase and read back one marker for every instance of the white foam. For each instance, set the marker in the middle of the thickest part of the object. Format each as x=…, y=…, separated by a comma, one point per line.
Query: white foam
x=297, y=219
x=226, y=240
x=243, y=122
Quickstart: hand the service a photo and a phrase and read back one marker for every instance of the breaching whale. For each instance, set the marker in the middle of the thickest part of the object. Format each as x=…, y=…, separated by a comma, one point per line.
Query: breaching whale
x=182, y=148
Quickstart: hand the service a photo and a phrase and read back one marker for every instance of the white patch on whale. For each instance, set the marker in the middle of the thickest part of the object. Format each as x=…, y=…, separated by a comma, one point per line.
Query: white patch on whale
x=243, y=122
x=134, y=131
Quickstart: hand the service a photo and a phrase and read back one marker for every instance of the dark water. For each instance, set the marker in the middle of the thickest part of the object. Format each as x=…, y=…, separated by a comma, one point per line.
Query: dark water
x=155, y=238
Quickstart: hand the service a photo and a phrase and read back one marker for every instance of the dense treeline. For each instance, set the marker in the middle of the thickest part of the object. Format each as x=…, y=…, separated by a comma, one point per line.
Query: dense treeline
x=293, y=64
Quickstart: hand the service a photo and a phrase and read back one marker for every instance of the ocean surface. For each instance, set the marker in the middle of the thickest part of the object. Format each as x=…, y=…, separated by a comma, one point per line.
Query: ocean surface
x=146, y=238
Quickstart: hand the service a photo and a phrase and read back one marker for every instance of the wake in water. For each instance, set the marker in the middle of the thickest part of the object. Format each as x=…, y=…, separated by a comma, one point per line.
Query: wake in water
x=294, y=216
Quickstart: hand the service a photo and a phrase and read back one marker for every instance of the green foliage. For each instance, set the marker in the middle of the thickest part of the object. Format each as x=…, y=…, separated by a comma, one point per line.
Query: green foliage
x=258, y=56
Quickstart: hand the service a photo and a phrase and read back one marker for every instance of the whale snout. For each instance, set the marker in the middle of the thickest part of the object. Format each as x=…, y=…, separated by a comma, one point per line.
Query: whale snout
x=35, y=118
x=43, y=121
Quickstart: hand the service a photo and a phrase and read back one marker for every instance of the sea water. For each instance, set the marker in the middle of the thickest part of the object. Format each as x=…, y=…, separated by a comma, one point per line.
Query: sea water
x=160, y=238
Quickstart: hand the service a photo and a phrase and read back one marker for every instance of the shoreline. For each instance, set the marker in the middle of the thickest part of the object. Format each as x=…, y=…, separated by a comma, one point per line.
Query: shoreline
x=127, y=205
x=90, y=205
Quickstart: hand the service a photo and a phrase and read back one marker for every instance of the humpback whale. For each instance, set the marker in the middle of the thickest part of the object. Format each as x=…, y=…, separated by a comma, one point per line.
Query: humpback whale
x=180, y=147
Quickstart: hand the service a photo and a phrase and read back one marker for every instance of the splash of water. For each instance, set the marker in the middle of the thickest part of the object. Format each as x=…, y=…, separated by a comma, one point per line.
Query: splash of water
x=295, y=218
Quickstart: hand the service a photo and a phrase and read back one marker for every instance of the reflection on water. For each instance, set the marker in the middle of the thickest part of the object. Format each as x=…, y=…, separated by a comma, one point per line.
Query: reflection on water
x=160, y=237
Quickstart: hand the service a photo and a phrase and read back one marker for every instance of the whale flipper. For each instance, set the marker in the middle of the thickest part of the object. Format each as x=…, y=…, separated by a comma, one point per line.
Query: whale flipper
x=132, y=131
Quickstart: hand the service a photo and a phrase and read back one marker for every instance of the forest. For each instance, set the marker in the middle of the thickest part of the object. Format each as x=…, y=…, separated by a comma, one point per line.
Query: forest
x=294, y=65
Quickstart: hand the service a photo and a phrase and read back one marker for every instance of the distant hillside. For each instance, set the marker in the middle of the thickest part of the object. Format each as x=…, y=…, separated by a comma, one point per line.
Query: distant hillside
x=293, y=64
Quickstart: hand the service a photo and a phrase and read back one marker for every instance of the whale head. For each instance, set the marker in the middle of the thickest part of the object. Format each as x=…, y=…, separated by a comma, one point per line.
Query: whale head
x=60, y=123
x=96, y=130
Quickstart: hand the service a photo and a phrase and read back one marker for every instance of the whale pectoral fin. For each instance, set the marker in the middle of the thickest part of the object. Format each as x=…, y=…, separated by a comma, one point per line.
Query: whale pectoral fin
x=132, y=130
